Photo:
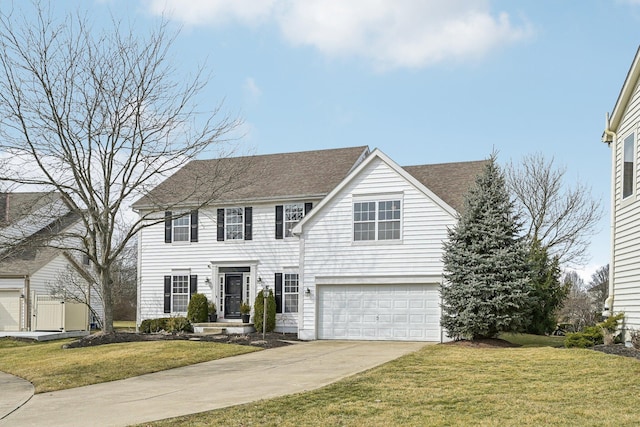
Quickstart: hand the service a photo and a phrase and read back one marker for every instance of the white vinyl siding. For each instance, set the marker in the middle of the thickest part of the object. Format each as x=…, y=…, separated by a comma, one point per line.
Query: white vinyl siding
x=626, y=238
x=269, y=256
x=330, y=249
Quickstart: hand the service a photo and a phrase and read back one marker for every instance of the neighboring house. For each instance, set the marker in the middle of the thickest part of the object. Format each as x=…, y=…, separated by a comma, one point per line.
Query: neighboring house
x=622, y=133
x=350, y=242
x=30, y=267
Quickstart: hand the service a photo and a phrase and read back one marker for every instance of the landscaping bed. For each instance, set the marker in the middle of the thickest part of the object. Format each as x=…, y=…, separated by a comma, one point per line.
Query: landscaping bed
x=271, y=339
x=618, y=350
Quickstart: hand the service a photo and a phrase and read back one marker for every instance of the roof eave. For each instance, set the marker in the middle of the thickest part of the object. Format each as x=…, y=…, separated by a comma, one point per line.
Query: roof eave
x=625, y=95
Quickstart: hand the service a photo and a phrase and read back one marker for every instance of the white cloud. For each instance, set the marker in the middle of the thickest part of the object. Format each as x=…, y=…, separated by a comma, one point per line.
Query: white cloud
x=251, y=90
x=389, y=33
x=205, y=12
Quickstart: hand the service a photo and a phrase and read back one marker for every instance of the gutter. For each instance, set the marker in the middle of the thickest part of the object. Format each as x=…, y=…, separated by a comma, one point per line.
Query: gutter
x=610, y=137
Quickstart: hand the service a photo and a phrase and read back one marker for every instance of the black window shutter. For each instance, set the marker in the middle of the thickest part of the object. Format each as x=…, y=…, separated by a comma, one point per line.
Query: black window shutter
x=220, y=225
x=278, y=294
x=167, y=294
x=307, y=207
x=167, y=226
x=193, y=284
x=279, y=222
x=248, y=223
x=194, y=226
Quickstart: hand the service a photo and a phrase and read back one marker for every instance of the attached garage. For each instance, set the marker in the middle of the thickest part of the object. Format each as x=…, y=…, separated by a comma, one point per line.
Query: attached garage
x=10, y=310
x=381, y=312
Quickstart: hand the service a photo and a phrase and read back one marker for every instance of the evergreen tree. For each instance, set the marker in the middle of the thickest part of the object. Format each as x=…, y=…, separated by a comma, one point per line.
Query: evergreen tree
x=486, y=289
x=548, y=291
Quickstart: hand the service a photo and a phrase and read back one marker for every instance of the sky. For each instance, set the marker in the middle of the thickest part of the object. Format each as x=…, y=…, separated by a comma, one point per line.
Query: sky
x=424, y=81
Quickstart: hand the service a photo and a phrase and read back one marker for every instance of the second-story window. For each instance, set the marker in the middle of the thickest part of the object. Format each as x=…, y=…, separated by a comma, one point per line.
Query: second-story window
x=234, y=224
x=181, y=228
x=376, y=220
x=293, y=213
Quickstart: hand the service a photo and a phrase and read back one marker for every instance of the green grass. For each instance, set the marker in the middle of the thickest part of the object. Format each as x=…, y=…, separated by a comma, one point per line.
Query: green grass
x=50, y=368
x=529, y=340
x=445, y=385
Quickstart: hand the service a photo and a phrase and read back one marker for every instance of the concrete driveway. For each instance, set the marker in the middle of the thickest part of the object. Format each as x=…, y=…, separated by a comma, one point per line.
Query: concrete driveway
x=210, y=385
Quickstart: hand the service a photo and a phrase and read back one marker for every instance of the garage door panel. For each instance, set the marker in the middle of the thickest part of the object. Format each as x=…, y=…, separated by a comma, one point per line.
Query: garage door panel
x=379, y=312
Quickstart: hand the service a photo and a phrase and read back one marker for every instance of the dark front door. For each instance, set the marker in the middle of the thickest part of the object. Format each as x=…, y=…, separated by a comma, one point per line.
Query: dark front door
x=232, y=295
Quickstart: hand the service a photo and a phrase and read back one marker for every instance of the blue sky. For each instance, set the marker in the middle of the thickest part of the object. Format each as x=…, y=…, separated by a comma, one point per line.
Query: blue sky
x=424, y=81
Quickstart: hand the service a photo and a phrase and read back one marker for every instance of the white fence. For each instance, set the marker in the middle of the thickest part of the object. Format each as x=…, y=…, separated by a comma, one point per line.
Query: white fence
x=55, y=314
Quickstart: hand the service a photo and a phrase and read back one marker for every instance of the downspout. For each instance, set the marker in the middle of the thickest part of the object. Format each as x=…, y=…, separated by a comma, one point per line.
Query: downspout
x=608, y=304
x=27, y=302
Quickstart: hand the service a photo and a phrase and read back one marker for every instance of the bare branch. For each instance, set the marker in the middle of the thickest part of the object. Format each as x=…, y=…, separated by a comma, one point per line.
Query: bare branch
x=560, y=216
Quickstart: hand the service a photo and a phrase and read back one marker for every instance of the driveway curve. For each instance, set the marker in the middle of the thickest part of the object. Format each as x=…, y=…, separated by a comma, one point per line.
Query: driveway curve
x=206, y=386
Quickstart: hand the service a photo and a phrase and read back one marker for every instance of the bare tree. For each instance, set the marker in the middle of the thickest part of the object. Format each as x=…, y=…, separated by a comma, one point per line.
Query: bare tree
x=560, y=216
x=578, y=309
x=99, y=118
x=599, y=286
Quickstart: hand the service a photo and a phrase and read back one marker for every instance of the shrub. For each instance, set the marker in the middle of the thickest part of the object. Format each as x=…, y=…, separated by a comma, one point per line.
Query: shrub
x=588, y=337
x=179, y=324
x=212, y=308
x=635, y=338
x=151, y=326
x=198, y=308
x=259, y=312
x=245, y=308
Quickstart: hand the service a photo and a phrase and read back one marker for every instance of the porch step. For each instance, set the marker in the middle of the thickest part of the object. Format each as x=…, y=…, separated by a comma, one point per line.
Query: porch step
x=211, y=330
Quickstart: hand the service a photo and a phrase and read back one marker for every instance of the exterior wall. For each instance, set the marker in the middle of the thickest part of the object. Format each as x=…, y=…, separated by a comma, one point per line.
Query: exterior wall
x=330, y=253
x=626, y=217
x=265, y=254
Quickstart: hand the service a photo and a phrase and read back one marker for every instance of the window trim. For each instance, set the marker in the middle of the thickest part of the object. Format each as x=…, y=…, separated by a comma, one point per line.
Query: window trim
x=632, y=138
x=285, y=229
x=377, y=199
x=174, y=275
x=286, y=293
x=240, y=224
x=187, y=226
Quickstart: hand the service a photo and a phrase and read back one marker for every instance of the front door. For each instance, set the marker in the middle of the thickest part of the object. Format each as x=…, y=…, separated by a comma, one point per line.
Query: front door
x=232, y=295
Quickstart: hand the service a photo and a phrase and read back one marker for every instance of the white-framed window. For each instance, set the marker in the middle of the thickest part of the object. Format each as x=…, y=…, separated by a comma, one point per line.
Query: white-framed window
x=234, y=223
x=628, y=166
x=293, y=213
x=179, y=292
x=377, y=220
x=181, y=228
x=290, y=294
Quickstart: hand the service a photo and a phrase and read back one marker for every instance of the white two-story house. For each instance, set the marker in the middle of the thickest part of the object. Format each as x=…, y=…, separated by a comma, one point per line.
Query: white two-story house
x=622, y=133
x=350, y=242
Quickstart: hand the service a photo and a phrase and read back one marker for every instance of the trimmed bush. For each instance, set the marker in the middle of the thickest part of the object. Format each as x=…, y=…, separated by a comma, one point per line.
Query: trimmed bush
x=151, y=326
x=198, y=309
x=590, y=336
x=179, y=324
x=258, y=313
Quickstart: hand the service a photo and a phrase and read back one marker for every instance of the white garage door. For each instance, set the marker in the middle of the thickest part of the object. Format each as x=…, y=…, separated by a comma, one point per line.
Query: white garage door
x=379, y=312
x=9, y=310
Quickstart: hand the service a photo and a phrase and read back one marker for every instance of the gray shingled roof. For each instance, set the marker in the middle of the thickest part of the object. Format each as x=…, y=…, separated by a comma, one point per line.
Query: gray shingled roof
x=273, y=176
x=449, y=181
x=14, y=206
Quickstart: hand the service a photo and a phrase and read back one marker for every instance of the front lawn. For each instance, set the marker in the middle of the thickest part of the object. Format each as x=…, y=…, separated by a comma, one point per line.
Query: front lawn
x=456, y=385
x=50, y=368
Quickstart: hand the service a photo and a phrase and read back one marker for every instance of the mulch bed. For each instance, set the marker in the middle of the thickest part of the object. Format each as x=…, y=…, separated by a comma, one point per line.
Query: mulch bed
x=618, y=350
x=271, y=340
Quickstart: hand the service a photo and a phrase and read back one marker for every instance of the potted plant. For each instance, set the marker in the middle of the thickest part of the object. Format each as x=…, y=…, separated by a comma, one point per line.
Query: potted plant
x=245, y=310
x=213, y=312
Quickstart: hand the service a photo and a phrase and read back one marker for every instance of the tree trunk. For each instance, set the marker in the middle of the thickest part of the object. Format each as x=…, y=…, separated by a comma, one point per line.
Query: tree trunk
x=107, y=300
